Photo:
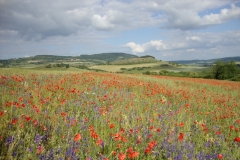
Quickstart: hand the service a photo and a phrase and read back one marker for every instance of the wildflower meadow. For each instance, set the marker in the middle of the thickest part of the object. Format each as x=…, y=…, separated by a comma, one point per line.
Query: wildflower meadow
x=104, y=116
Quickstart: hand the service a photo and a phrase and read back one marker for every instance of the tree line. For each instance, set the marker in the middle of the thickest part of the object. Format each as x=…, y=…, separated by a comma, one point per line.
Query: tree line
x=226, y=70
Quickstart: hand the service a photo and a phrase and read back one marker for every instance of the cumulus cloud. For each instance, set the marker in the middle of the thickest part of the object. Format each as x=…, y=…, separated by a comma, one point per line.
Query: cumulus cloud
x=149, y=46
x=187, y=15
x=193, y=38
x=190, y=50
x=37, y=20
x=135, y=48
x=223, y=16
x=191, y=45
x=101, y=22
x=73, y=26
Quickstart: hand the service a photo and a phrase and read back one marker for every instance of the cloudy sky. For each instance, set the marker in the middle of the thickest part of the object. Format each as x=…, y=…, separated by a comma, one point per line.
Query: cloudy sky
x=166, y=29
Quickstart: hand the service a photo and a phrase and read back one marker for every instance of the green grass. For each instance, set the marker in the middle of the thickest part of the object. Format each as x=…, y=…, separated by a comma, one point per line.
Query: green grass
x=116, y=114
x=152, y=67
x=134, y=61
x=115, y=68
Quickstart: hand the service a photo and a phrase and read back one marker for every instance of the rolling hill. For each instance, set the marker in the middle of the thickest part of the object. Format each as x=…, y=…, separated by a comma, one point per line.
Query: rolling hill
x=108, y=57
x=209, y=61
x=45, y=59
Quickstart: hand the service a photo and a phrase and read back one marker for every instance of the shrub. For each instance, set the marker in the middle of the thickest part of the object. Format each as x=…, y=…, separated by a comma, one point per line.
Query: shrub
x=49, y=66
x=225, y=70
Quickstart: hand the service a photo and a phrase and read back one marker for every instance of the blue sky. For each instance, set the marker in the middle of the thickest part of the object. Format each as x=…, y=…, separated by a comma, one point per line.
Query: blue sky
x=167, y=30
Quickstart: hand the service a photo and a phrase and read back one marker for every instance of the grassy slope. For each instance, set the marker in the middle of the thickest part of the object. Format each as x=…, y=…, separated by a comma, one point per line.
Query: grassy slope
x=154, y=67
x=115, y=68
x=174, y=105
x=135, y=61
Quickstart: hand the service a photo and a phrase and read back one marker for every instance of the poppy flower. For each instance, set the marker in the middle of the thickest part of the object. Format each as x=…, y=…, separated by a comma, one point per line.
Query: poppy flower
x=220, y=156
x=131, y=153
x=148, y=150
x=40, y=149
x=158, y=130
x=237, y=139
x=63, y=114
x=111, y=126
x=28, y=118
x=77, y=137
x=99, y=142
x=180, y=138
x=181, y=124
x=121, y=156
x=14, y=121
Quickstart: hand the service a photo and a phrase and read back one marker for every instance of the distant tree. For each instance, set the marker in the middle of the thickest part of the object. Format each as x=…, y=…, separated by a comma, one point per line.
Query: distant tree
x=67, y=65
x=225, y=70
x=147, y=72
x=49, y=66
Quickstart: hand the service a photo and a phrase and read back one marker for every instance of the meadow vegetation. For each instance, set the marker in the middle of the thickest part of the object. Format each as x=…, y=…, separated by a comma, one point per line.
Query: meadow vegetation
x=53, y=114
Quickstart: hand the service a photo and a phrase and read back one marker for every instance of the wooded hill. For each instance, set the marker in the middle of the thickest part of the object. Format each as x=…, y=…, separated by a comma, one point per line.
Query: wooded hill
x=102, y=58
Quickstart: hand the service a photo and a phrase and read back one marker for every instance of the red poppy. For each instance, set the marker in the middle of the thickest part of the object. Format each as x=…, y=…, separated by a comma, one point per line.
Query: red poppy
x=111, y=126
x=237, y=139
x=40, y=149
x=114, y=153
x=77, y=137
x=220, y=156
x=14, y=121
x=121, y=156
x=99, y=142
x=180, y=138
x=131, y=153
x=181, y=124
x=63, y=114
x=28, y=118
x=238, y=121
x=147, y=150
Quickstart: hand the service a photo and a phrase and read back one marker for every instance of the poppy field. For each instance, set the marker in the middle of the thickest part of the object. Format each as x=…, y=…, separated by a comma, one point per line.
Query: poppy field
x=103, y=116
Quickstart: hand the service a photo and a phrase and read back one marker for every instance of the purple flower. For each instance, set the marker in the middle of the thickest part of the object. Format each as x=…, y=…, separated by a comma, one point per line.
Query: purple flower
x=37, y=139
x=10, y=140
x=102, y=144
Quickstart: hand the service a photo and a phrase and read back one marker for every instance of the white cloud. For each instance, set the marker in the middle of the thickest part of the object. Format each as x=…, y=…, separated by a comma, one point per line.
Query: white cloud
x=185, y=15
x=40, y=20
x=223, y=16
x=181, y=46
x=190, y=50
x=81, y=24
x=101, y=22
x=135, y=48
x=193, y=38
x=149, y=46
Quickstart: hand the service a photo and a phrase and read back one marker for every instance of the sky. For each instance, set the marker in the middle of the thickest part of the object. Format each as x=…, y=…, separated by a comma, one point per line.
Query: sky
x=166, y=29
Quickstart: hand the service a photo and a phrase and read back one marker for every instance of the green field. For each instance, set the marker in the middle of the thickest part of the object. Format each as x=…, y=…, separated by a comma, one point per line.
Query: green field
x=153, y=67
x=50, y=114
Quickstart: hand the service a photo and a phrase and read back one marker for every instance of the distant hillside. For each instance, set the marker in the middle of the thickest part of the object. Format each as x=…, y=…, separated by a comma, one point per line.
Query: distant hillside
x=138, y=60
x=108, y=57
x=210, y=61
x=46, y=59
